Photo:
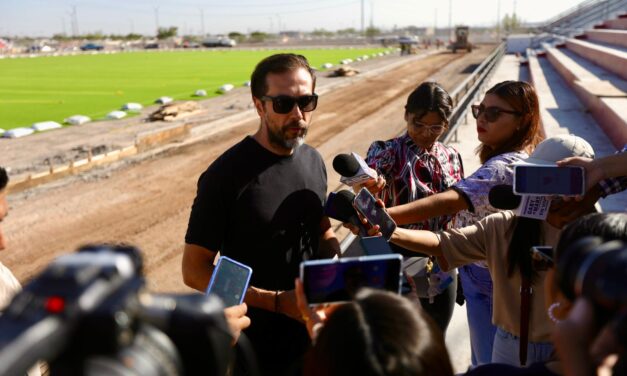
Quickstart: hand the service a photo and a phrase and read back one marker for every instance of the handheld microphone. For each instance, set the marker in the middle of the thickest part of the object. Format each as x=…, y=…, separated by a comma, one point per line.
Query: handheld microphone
x=353, y=169
x=502, y=197
x=340, y=206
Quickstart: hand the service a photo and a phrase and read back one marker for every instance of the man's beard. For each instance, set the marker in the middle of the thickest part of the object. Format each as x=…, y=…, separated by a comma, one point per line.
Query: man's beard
x=279, y=138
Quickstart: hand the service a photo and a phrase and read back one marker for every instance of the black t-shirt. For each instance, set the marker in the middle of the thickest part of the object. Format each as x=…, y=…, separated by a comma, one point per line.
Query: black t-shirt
x=261, y=209
x=264, y=210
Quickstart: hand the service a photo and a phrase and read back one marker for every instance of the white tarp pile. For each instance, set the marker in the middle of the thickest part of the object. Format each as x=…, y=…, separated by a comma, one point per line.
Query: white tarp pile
x=132, y=107
x=116, y=115
x=77, y=120
x=164, y=100
x=46, y=126
x=18, y=132
x=225, y=88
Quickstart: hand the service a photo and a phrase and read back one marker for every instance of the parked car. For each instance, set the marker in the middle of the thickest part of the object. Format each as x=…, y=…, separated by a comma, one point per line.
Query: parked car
x=151, y=46
x=219, y=42
x=92, y=47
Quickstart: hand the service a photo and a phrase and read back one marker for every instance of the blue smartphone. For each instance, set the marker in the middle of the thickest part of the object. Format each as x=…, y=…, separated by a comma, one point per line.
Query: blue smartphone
x=337, y=280
x=549, y=180
x=230, y=281
x=375, y=245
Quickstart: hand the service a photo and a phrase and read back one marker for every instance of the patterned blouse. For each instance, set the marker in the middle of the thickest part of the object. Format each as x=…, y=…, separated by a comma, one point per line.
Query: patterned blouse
x=614, y=185
x=412, y=172
x=475, y=188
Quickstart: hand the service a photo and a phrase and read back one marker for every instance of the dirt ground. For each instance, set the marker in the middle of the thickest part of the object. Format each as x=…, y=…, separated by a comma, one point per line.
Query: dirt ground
x=146, y=201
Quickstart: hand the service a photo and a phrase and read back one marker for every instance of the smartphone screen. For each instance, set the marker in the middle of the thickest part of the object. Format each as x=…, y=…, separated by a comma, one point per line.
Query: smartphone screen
x=549, y=180
x=230, y=281
x=337, y=280
x=366, y=205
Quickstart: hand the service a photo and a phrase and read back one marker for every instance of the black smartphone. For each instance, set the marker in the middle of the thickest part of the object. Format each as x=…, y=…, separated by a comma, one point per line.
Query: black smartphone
x=230, y=281
x=542, y=257
x=366, y=205
x=337, y=280
x=549, y=180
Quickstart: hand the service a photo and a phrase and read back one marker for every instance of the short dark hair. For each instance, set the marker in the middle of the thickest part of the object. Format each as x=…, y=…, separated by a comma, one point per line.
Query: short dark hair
x=378, y=333
x=4, y=178
x=430, y=97
x=607, y=226
x=278, y=63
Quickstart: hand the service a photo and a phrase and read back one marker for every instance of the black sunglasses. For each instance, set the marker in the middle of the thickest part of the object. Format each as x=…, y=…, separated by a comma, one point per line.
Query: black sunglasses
x=283, y=104
x=491, y=113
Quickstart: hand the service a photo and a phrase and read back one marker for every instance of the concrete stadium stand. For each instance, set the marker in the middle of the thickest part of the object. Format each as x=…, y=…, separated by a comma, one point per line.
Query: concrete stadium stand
x=615, y=37
x=612, y=59
x=602, y=93
x=618, y=23
x=562, y=112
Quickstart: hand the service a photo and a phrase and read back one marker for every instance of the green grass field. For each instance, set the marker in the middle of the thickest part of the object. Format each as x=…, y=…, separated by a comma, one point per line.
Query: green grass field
x=54, y=88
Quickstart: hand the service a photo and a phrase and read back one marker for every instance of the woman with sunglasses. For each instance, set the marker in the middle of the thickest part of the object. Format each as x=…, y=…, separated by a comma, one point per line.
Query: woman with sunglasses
x=508, y=121
x=503, y=241
x=415, y=165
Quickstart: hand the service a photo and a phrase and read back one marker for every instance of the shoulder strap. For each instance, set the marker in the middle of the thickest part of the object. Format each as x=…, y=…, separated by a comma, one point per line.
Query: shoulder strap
x=525, y=307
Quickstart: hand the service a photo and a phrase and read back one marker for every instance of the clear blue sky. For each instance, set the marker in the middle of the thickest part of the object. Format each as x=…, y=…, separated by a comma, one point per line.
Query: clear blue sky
x=47, y=17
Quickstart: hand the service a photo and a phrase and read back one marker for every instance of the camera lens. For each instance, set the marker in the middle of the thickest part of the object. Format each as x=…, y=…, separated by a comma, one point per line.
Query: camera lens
x=596, y=270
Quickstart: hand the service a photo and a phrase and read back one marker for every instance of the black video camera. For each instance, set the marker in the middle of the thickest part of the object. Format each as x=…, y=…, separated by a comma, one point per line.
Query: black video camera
x=88, y=314
x=597, y=270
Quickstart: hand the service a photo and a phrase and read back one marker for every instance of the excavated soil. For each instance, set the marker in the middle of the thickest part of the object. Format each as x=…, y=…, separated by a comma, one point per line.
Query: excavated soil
x=146, y=201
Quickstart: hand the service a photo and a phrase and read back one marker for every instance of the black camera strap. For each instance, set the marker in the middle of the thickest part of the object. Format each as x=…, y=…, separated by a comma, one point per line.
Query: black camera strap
x=525, y=307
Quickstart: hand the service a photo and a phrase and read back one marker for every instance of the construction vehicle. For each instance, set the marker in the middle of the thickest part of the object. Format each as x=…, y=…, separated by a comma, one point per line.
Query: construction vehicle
x=461, y=39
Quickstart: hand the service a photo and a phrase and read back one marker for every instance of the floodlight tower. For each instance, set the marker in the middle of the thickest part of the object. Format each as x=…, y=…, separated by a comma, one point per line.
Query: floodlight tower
x=202, y=22
x=363, y=15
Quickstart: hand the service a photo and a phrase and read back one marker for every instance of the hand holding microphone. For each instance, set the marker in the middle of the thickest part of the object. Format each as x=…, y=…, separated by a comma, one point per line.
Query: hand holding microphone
x=356, y=173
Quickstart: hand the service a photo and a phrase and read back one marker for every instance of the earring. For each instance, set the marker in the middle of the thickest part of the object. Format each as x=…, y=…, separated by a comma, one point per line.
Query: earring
x=551, y=311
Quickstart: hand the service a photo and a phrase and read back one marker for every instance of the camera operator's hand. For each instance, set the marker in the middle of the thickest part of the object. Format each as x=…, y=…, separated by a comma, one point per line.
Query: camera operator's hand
x=237, y=319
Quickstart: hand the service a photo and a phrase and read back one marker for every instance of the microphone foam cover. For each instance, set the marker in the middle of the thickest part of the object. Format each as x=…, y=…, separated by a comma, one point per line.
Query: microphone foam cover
x=345, y=165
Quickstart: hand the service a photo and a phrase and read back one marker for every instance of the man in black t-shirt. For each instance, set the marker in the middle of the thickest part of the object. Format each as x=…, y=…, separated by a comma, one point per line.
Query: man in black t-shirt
x=261, y=203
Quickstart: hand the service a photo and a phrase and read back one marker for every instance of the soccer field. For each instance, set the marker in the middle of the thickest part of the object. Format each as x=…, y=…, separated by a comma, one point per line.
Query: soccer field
x=54, y=88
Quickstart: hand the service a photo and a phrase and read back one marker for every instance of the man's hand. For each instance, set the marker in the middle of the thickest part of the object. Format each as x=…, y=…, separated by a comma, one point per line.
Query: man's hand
x=593, y=173
x=237, y=319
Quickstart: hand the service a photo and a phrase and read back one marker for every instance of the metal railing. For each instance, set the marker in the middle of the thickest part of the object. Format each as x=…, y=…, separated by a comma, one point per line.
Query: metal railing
x=463, y=96
x=584, y=16
x=468, y=92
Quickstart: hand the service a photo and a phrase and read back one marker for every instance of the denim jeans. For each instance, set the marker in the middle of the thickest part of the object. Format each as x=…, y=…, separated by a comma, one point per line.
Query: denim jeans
x=506, y=348
x=477, y=285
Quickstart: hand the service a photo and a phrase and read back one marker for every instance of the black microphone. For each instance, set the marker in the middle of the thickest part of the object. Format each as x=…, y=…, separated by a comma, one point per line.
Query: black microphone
x=340, y=206
x=503, y=197
x=353, y=169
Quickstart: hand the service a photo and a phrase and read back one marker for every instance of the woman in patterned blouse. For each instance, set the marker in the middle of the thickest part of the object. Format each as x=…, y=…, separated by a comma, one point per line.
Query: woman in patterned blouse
x=416, y=165
x=508, y=126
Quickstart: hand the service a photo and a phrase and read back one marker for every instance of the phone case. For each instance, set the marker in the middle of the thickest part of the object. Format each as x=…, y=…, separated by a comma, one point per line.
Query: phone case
x=224, y=259
x=347, y=260
x=516, y=183
x=374, y=214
